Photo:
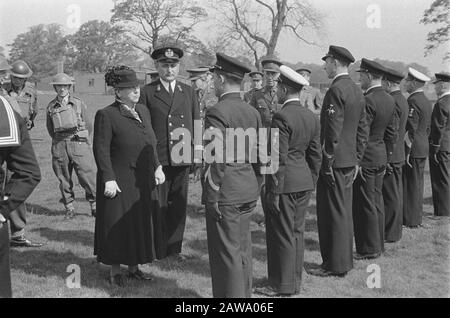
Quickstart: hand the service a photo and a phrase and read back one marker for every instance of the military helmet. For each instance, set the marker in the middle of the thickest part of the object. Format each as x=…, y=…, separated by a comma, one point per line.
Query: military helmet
x=21, y=69
x=4, y=64
x=62, y=79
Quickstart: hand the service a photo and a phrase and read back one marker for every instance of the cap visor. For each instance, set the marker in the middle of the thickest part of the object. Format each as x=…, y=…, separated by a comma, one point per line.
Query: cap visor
x=168, y=59
x=326, y=56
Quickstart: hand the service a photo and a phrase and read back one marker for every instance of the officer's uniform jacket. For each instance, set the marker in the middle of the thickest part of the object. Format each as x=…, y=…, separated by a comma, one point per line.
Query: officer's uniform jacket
x=249, y=95
x=402, y=112
x=26, y=98
x=299, y=150
x=419, y=124
x=17, y=151
x=266, y=103
x=383, y=125
x=168, y=115
x=344, y=129
x=311, y=98
x=440, y=124
x=84, y=123
x=232, y=182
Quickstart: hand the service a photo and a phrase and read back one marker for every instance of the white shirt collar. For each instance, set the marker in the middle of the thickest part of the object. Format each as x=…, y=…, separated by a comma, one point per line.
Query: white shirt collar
x=378, y=85
x=166, y=84
x=445, y=94
x=231, y=92
x=291, y=100
x=339, y=75
x=64, y=100
x=420, y=90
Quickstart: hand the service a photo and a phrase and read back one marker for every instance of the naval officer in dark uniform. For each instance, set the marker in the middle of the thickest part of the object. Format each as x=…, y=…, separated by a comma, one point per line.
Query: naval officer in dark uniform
x=16, y=150
x=393, y=179
x=290, y=187
x=440, y=146
x=418, y=129
x=231, y=182
x=368, y=206
x=173, y=106
x=343, y=138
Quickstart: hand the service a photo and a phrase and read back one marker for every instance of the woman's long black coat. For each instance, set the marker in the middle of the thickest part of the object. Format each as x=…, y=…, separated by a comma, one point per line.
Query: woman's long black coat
x=124, y=151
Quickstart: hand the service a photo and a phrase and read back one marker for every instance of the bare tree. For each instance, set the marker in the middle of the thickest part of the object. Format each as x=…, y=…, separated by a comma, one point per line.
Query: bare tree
x=148, y=20
x=438, y=13
x=258, y=24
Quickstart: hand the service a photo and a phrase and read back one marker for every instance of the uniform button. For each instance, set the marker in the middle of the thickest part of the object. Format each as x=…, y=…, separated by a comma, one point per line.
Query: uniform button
x=170, y=116
x=170, y=124
x=182, y=125
x=182, y=116
x=171, y=142
x=171, y=133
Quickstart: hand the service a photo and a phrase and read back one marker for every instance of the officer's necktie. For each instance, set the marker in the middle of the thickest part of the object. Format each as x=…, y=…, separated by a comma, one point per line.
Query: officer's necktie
x=170, y=90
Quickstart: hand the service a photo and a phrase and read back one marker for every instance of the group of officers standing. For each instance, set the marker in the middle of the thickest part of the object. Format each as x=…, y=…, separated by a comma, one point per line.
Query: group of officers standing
x=363, y=149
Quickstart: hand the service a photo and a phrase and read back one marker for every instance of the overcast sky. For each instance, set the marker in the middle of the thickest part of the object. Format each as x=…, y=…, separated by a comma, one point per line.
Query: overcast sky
x=351, y=23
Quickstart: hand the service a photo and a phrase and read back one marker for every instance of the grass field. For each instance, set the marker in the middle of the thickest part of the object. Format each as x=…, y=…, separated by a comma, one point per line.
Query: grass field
x=417, y=266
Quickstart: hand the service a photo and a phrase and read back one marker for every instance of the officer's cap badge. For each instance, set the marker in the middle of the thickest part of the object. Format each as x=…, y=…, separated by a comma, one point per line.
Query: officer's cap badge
x=169, y=53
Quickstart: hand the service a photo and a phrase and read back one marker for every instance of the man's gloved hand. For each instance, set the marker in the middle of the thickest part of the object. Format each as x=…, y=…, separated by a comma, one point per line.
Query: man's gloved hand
x=213, y=208
x=389, y=169
x=407, y=161
x=434, y=151
x=328, y=174
x=273, y=203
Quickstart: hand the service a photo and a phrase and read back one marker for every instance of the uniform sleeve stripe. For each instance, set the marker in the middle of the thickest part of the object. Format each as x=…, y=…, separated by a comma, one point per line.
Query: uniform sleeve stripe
x=12, y=139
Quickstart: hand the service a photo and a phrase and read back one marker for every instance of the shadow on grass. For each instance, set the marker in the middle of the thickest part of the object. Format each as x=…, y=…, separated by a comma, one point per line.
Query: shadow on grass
x=67, y=236
x=44, y=263
x=195, y=264
x=41, y=210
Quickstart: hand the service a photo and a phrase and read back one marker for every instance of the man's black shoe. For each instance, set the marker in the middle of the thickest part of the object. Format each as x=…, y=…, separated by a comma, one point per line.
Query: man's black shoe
x=269, y=292
x=324, y=273
x=21, y=241
x=359, y=257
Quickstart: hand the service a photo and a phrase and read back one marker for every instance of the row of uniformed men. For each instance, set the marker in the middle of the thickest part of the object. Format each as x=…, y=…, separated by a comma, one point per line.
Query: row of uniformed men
x=359, y=163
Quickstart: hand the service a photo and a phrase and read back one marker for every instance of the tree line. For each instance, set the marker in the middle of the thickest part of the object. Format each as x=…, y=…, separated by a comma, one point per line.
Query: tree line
x=249, y=30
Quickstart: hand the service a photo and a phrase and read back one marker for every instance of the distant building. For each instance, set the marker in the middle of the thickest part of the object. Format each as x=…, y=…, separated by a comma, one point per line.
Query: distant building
x=92, y=83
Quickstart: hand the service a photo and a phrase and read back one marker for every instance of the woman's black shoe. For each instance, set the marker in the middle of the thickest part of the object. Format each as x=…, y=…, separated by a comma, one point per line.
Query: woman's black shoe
x=117, y=280
x=139, y=275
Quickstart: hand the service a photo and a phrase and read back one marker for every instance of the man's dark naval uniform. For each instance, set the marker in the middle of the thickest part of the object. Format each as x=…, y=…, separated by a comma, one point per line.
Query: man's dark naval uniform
x=16, y=150
x=231, y=186
x=393, y=180
x=300, y=157
x=343, y=137
x=418, y=129
x=440, y=151
x=169, y=113
x=368, y=206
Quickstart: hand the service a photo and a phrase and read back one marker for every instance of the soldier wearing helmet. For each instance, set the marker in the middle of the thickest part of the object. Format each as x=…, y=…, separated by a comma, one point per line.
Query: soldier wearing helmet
x=23, y=91
x=70, y=129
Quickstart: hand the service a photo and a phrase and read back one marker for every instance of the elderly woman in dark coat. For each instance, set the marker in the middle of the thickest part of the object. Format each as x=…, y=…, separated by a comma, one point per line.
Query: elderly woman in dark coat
x=128, y=173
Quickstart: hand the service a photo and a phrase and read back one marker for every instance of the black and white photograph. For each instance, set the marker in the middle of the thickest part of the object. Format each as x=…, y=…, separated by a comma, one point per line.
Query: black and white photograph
x=261, y=150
